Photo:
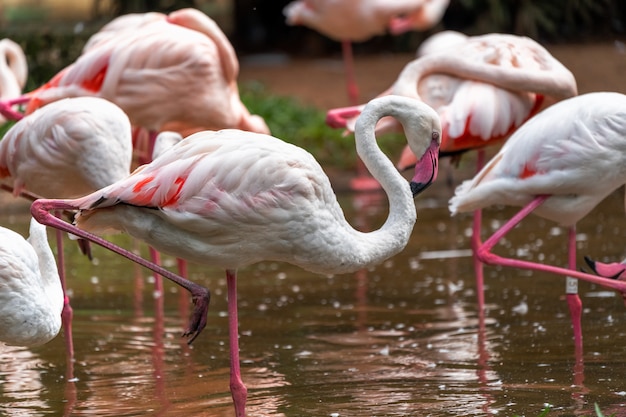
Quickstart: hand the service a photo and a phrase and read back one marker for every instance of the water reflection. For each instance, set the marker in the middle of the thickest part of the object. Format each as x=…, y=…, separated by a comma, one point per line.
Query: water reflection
x=401, y=339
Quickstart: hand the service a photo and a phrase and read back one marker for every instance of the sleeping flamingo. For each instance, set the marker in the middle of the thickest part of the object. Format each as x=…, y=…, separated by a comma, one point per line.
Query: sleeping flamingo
x=483, y=87
x=232, y=198
x=559, y=165
x=178, y=73
x=31, y=298
x=67, y=149
x=13, y=71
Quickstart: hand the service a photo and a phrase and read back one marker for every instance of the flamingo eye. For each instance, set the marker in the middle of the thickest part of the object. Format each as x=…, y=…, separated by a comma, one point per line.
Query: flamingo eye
x=435, y=135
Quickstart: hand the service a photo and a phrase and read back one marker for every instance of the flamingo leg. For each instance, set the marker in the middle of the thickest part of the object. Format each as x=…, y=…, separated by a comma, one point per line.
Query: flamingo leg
x=67, y=313
x=351, y=84
x=476, y=232
x=571, y=293
x=486, y=256
x=40, y=210
x=238, y=390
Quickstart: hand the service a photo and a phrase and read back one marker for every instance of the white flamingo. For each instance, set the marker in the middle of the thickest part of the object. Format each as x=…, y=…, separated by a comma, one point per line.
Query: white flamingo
x=231, y=198
x=31, y=298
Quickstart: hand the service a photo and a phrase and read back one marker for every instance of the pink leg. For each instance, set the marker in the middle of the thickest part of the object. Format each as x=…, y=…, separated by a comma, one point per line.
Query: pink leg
x=348, y=60
x=67, y=313
x=238, y=390
x=476, y=232
x=200, y=295
x=571, y=293
x=485, y=255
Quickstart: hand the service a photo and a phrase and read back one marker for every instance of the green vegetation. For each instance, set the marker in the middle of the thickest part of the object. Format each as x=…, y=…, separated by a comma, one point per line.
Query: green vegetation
x=305, y=126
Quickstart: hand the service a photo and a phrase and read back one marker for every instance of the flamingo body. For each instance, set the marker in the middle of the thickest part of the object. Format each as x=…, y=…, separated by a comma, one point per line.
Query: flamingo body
x=232, y=198
x=164, y=75
x=68, y=148
x=483, y=87
x=31, y=298
x=359, y=20
x=575, y=151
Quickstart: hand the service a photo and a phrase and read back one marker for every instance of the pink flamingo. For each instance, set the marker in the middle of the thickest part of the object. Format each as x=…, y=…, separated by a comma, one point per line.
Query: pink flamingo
x=31, y=298
x=350, y=21
x=13, y=71
x=232, y=198
x=67, y=149
x=176, y=72
x=559, y=165
x=483, y=87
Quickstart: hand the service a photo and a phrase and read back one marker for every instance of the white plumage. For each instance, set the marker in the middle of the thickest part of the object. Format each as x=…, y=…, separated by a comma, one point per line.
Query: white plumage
x=31, y=298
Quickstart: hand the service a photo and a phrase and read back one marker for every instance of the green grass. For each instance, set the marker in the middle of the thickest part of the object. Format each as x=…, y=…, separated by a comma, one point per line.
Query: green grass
x=305, y=126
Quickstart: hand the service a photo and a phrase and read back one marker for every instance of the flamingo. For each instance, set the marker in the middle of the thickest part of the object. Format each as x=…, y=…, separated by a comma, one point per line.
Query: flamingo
x=31, y=298
x=176, y=72
x=559, y=165
x=67, y=149
x=232, y=198
x=350, y=21
x=483, y=87
x=13, y=71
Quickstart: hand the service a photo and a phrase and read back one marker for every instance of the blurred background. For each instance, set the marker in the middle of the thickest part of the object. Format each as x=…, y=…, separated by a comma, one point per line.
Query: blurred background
x=52, y=32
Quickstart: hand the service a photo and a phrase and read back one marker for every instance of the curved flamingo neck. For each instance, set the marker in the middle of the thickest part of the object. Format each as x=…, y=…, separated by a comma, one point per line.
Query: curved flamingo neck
x=555, y=81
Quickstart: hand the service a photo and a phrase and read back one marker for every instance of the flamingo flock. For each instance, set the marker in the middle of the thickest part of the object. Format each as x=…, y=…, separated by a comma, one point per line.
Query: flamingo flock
x=212, y=186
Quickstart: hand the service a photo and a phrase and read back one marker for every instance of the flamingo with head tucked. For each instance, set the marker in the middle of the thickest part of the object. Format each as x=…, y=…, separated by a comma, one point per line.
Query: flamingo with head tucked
x=559, y=165
x=176, y=72
x=231, y=198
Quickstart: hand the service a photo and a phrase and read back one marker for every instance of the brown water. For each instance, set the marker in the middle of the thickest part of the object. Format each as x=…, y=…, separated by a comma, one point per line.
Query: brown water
x=402, y=339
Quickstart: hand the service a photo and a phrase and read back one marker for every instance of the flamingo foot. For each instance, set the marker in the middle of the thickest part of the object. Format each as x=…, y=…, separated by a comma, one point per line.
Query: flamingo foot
x=201, y=297
x=613, y=270
x=239, y=392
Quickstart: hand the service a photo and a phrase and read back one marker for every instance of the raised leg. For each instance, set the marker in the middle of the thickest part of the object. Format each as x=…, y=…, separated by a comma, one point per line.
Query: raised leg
x=238, y=390
x=200, y=296
x=486, y=256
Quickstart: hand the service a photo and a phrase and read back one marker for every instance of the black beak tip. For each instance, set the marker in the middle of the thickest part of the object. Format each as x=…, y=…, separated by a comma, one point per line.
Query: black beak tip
x=418, y=187
x=591, y=263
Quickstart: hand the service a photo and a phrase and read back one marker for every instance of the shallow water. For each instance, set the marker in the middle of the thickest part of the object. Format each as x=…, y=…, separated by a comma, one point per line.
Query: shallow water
x=402, y=339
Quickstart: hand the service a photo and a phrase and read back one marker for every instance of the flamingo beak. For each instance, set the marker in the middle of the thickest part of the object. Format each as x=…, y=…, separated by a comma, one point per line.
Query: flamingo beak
x=426, y=169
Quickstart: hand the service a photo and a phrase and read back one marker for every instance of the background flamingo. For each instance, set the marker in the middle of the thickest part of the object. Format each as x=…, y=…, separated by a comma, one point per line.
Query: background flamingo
x=350, y=21
x=232, y=198
x=175, y=73
x=559, y=165
x=13, y=71
x=67, y=149
x=31, y=298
